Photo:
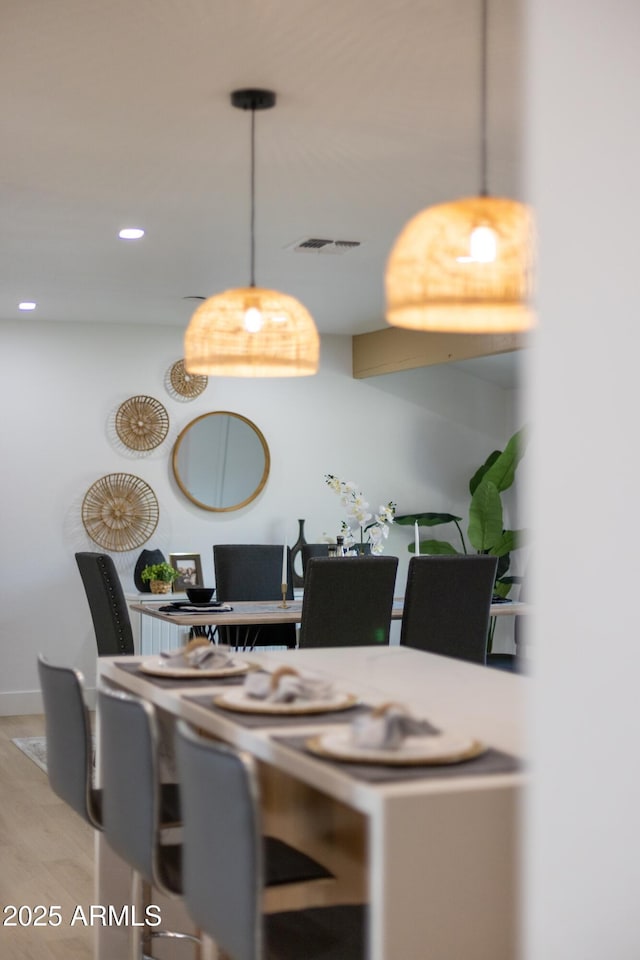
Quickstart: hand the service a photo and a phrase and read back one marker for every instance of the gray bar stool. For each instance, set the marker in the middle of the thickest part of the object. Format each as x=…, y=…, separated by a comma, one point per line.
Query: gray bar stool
x=131, y=808
x=223, y=875
x=131, y=805
x=70, y=750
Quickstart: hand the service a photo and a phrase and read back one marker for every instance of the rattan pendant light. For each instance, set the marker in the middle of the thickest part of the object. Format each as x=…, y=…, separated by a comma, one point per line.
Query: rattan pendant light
x=251, y=331
x=465, y=266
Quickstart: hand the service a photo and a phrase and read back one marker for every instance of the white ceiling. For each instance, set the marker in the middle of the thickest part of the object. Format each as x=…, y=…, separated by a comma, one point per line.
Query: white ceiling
x=116, y=113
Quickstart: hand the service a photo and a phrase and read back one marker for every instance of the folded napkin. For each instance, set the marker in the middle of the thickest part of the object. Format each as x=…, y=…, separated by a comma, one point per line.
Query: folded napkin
x=180, y=608
x=287, y=685
x=387, y=727
x=199, y=654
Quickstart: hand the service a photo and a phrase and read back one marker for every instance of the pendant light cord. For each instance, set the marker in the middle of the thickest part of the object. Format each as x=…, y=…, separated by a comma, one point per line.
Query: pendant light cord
x=484, y=189
x=252, y=221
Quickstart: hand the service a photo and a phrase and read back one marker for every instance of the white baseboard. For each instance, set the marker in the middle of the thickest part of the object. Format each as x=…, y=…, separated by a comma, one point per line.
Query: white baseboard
x=20, y=703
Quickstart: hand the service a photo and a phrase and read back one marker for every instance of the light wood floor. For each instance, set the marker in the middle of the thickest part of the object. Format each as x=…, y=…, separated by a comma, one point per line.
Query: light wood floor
x=46, y=855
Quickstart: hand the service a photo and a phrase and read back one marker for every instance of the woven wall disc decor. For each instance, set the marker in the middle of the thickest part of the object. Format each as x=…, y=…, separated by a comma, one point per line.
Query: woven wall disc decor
x=120, y=512
x=142, y=423
x=186, y=384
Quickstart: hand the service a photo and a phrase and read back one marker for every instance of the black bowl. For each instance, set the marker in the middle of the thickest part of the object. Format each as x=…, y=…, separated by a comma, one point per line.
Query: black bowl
x=200, y=594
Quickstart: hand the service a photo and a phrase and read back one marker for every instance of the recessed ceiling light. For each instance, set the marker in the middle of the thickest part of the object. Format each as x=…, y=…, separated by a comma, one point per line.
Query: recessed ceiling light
x=27, y=305
x=131, y=233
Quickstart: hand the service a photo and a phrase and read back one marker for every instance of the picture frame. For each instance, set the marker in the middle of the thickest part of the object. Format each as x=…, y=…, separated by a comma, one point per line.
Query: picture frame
x=189, y=567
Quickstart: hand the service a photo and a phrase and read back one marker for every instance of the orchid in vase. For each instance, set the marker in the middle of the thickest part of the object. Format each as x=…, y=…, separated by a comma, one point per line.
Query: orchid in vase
x=373, y=530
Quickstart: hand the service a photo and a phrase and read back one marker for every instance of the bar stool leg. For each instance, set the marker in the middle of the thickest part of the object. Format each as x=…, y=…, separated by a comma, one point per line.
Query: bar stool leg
x=208, y=949
x=139, y=939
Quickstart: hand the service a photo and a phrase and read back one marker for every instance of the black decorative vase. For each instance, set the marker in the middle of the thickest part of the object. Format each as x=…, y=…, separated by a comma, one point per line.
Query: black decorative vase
x=361, y=550
x=296, y=549
x=146, y=558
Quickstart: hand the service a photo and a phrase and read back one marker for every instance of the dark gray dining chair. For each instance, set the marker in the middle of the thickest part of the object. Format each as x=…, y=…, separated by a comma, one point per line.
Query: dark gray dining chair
x=107, y=604
x=253, y=571
x=312, y=550
x=447, y=605
x=347, y=601
x=223, y=871
x=131, y=804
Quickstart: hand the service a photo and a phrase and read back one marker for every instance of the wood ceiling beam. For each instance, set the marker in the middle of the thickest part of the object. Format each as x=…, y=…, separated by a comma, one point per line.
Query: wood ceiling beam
x=392, y=349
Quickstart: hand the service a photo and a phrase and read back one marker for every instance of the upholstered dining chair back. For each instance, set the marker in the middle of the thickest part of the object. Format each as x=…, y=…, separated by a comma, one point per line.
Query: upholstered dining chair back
x=250, y=571
x=312, y=550
x=137, y=808
x=347, y=601
x=68, y=737
x=129, y=758
x=223, y=868
x=447, y=605
x=107, y=604
x=223, y=865
x=253, y=571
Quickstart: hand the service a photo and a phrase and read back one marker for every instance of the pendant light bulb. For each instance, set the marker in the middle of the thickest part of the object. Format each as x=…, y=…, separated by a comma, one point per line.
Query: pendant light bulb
x=253, y=320
x=483, y=246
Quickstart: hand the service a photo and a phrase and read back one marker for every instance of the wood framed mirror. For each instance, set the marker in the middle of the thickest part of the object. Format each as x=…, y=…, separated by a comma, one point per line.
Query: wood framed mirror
x=221, y=461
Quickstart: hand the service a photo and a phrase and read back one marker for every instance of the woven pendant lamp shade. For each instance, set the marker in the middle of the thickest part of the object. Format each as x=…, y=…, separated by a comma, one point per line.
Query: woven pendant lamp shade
x=217, y=342
x=432, y=283
x=252, y=331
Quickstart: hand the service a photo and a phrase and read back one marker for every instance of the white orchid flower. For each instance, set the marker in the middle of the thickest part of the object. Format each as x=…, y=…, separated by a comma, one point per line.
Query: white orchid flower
x=357, y=511
x=387, y=514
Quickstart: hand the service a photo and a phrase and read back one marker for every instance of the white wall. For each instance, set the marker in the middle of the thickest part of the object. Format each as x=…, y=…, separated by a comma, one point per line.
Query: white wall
x=582, y=836
x=415, y=438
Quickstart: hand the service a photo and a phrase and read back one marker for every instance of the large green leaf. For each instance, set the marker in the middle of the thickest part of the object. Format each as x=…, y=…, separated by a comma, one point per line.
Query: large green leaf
x=485, y=517
x=503, y=469
x=435, y=548
x=505, y=544
x=426, y=519
x=501, y=588
x=510, y=540
x=511, y=580
x=480, y=472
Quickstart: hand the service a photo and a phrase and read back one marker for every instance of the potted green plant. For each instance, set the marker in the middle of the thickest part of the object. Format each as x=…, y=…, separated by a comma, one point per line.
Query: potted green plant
x=160, y=577
x=485, y=530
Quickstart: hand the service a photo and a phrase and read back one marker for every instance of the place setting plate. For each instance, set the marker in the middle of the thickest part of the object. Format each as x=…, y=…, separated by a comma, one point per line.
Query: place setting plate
x=159, y=667
x=432, y=750
x=239, y=701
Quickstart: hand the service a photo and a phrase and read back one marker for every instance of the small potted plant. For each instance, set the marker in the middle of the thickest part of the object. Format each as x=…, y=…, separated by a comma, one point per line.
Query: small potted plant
x=160, y=577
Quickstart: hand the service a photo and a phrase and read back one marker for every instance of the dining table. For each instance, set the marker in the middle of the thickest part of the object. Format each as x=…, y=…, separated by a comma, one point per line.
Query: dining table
x=432, y=847
x=263, y=612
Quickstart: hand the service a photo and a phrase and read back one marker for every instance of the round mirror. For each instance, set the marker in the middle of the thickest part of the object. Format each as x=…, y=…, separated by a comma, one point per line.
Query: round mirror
x=221, y=461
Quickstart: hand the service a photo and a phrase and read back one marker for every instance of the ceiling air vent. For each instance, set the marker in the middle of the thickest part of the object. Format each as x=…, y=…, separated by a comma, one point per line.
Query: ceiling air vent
x=319, y=245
